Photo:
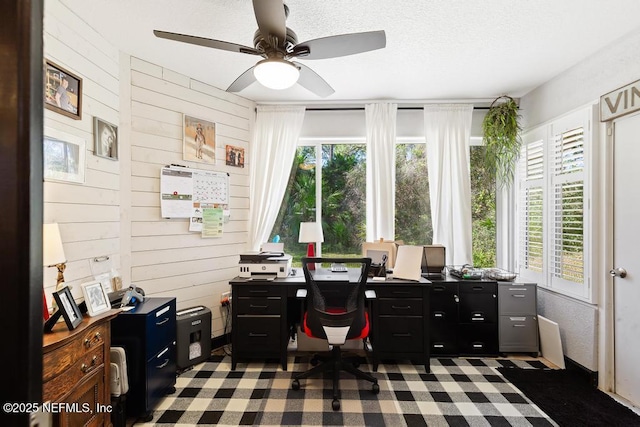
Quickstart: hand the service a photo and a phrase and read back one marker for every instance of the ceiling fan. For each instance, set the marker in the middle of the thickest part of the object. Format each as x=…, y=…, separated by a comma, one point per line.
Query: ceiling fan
x=278, y=45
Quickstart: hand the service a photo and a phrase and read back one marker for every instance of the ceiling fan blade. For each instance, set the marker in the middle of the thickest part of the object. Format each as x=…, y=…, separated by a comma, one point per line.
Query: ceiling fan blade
x=244, y=80
x=271, y=18
x=201, y=41
x=310, y=80
x=340, y=45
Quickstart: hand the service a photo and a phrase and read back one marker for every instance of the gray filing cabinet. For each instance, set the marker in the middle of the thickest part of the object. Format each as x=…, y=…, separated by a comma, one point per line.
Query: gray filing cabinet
x=517, y=318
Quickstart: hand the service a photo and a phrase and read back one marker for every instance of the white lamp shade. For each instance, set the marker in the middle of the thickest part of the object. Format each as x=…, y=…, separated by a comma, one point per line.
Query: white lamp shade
x=52, y=250
x=310, y=232
x=276, y=73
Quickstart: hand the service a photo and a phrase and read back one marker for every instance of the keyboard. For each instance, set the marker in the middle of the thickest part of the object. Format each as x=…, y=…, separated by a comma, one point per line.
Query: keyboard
x=338, y=268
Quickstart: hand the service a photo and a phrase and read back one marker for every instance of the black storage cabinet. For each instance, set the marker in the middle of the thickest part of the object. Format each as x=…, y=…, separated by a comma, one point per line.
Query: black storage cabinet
x=148, y=335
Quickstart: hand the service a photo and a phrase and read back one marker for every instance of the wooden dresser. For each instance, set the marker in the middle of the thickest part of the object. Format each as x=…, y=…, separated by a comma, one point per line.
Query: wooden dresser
x=76, y=371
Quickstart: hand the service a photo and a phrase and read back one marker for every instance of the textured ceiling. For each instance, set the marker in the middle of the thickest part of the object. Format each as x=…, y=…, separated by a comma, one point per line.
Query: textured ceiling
x=436, y=49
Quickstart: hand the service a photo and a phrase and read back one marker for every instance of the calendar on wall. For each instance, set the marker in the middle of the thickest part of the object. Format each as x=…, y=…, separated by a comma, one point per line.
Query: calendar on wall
x=184, y=189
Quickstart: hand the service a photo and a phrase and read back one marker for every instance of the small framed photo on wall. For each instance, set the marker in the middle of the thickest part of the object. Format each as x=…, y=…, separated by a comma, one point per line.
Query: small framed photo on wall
x=62, y=91
x=63, y=156
x=105, y=136
x=199, y=140
x=234, y=156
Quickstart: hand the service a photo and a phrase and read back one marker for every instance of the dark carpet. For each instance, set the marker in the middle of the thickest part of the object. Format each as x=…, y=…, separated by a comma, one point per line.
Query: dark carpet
x=568, y=398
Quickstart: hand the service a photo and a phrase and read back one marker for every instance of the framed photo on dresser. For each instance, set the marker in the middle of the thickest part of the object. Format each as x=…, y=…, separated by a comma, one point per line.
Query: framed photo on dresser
x=68, y=307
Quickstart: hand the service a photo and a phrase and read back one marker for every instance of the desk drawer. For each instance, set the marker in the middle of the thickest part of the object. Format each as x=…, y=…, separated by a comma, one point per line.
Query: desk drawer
x=258, y=290
x=258, y=306
x=478, y=339
x=517, y=299
x=160, y=328
x=161, y=374
x=86, y=365
x=393, y=291
x=258, y=334
x=518, y=331
x=403, y=334
x=400, y=307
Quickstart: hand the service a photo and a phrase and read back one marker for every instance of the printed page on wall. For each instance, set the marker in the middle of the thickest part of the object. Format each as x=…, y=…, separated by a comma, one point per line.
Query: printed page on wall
x=212, y=222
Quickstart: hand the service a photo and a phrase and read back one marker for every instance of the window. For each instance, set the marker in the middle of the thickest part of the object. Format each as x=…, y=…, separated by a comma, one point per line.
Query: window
x=553, y=194
x=413, y=207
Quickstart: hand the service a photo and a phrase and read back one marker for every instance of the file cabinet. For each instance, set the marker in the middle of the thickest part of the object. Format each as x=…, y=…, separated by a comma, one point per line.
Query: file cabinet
x=518, y=321
x=148, y=335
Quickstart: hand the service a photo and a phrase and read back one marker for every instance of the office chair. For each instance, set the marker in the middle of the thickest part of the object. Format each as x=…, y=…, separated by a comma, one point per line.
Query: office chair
x=335, y=311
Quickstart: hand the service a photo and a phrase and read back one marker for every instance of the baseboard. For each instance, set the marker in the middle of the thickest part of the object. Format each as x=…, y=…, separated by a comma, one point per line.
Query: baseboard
x=589, y=376
x=221, y=341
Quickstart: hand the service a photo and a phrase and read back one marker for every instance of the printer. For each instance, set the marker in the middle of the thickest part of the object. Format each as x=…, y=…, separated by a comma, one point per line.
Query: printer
x=265, y=265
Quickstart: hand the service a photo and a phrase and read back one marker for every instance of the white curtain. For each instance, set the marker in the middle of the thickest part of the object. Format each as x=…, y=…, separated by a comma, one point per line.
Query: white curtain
x=381, y=170
x=273, y=149
x=447, y=130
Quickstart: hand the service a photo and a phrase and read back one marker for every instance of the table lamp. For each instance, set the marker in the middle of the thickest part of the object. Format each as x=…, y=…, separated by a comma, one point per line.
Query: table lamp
x=53, y=252
x=311, y=232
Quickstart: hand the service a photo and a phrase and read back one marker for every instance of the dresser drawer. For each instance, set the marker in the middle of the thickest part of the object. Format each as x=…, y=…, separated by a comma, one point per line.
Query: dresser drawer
x=394, y=291
x=478, y=339
x=478, y=308
x=59, y=360
x=444, y=338
x=518, y=333
x=400, y=306
x=84, y=366
x=258, y=306
x=517, y=299
x=258, y=334
x=262, y=290
x=160, y=328
x=161, y=374
x=404, y=334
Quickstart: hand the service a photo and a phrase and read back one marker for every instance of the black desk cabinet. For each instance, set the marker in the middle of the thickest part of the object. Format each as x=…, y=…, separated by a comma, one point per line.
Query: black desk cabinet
x=464, y=318
x=148, y=335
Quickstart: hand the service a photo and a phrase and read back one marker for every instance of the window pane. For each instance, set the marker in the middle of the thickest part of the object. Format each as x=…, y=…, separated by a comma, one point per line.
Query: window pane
x=533, y=229
x=343, y=199
x=299, y=202
x=483, y=210
x=413, y=207
x=568, y=262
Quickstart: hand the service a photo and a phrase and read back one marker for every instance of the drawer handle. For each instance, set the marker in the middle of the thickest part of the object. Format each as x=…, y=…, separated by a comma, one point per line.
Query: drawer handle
x=438, y=288
x=397, y=307
x=258, y=291
x=518, y=326
x=163, y=364
x=400, y=292
x=88, y=342
x=478, y=288
x=254, y=335
x=438, y=314
x=162, y=322
x=257, y=306
x=438, y=346
x=517, y=289
x=478, y=345
x=477, y=319
x=517, y=319
x=86, y=368
x=403, y=335
x=517, y=296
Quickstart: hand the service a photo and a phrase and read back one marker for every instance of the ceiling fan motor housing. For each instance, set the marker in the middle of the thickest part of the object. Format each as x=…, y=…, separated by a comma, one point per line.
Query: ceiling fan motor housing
x=274, y=47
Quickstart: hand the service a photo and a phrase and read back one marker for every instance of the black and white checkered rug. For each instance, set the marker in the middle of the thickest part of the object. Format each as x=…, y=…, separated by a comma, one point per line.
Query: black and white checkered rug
x=457, y=392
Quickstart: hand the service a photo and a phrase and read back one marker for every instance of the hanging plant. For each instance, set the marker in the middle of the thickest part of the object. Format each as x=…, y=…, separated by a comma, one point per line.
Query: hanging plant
x=501, y=134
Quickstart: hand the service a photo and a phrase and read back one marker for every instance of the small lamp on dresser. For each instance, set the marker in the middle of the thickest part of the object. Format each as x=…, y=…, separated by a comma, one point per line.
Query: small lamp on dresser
x=311, y=233
x=53, y=256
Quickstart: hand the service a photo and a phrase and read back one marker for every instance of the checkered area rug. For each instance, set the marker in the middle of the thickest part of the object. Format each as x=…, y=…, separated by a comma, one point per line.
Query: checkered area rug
x=457, y=392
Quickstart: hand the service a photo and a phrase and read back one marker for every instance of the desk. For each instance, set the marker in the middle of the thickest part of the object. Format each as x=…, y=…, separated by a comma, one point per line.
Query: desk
x=260, y=319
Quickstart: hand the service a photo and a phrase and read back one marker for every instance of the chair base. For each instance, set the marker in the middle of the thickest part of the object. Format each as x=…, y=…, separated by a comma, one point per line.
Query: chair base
x=335, y=365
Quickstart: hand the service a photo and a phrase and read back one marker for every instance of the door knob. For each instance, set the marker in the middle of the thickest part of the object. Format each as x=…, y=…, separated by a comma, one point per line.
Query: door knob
x=618, y=272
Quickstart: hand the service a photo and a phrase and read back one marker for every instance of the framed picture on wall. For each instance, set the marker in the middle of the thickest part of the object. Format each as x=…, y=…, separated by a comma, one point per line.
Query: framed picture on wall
x=199, y=140
x=63, y=156
x=62, y=91
x=234, y=156
x=105, y=138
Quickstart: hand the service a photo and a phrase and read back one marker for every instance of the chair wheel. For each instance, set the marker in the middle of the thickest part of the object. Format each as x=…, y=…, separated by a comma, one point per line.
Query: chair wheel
x=295, y=384
x=375, y=388
x=335, y=404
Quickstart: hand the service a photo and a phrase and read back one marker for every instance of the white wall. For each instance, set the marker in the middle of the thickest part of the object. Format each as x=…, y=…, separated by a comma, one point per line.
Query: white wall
x=89, y=213
x=166, y=259
x=116, y=212
x=610, y=68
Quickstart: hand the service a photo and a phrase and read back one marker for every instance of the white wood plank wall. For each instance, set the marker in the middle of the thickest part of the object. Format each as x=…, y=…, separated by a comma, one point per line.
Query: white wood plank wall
x=167, y=259
x=116, y=212
x=89, y=213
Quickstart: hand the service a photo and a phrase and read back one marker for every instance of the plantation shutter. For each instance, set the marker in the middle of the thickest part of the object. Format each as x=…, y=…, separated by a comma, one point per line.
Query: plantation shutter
x=567, y=250
x=531, y=200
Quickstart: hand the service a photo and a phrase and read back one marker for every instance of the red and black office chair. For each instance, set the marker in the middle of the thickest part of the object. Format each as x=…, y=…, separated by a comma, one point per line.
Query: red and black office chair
x=335, y=311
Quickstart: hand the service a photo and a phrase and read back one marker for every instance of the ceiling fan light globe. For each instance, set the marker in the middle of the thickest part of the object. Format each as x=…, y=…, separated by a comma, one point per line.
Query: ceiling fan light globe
x=276, y=73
